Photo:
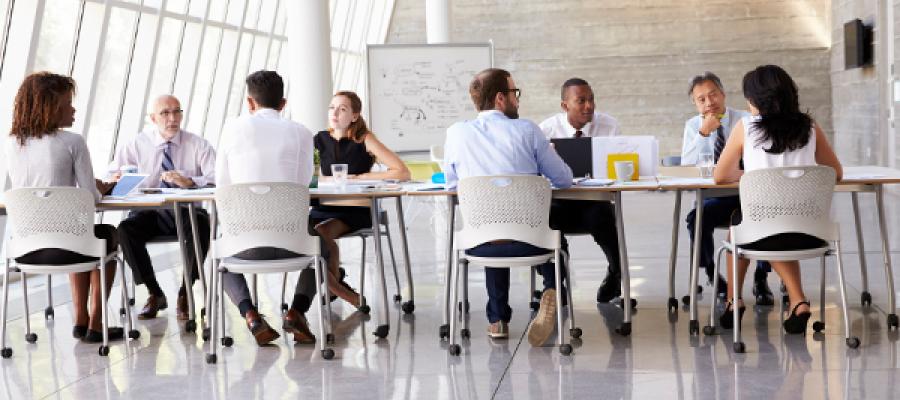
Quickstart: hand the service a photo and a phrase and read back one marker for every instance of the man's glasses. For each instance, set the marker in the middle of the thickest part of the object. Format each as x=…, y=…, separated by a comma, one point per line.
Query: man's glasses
x=171, y=113
x=518, y=92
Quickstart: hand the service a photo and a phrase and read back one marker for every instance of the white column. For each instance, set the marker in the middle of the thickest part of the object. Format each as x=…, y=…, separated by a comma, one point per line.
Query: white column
x=437, y=21
x=309, y=47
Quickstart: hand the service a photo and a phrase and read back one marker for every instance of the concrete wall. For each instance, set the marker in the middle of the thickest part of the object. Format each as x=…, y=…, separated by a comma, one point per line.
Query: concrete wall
x=639, y=55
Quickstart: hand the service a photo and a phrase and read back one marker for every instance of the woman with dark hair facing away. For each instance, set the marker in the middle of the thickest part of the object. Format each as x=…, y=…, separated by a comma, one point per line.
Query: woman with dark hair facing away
x=39, y=153
x=776, y=134
x=348, y=141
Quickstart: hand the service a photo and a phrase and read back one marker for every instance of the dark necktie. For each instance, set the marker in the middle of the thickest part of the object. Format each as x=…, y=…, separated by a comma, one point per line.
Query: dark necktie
x=579, y=133
x=167, y=164
x=720, y=144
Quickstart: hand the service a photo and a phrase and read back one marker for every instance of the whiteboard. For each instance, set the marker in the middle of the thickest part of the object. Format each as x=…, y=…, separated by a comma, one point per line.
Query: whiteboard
x=416, y=91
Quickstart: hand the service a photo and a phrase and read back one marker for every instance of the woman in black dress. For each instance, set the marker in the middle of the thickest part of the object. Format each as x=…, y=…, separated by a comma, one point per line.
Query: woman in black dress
x=349, y=141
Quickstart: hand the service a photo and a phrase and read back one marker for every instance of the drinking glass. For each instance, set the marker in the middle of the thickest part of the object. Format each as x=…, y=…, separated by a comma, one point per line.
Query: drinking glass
x=705, y=163
x=339, y=174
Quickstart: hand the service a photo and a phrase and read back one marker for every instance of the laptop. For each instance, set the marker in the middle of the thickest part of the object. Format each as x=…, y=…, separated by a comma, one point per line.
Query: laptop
x=577, y=154
x=127, y=183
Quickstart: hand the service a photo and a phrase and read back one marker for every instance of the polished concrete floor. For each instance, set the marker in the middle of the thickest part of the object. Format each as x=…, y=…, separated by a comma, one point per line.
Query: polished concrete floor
x=659, y=360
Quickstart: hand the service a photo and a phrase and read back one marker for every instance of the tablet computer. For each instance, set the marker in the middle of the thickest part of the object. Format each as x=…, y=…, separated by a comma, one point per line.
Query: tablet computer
x=127, y=183
x=577, y=154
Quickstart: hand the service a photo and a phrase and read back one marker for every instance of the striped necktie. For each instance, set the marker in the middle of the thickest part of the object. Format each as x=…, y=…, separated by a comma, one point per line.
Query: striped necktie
x=720, y=144
x=167, y=164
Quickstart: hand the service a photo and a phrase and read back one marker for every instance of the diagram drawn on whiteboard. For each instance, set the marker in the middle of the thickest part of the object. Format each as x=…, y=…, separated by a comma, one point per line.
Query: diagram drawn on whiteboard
x=416, y=92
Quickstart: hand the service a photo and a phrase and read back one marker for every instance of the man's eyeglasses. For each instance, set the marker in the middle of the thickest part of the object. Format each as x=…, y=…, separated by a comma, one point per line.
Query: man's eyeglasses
x=518, y=92
x=171, y=113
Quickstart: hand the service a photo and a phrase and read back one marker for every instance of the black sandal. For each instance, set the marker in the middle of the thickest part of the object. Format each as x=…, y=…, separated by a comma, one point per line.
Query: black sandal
x=78, y=331
x=796, y=323
x=114, y=333
x=726, y=320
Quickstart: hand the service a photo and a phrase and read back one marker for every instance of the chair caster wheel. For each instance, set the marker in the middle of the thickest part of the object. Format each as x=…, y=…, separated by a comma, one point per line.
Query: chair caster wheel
x=398, y=298
x=134, y=334
x=48, y=313
x=31, y=337
x=673, y=305
x=535, y=305
x=6, y=352
x=408, y=307
x=210, y=358
x=465, y=333
x=686, y=300
x=709, y=330
x=284, y=308
x=866, y=299
x=329, y=338
x=203, y=312
x=739, y=347
x=227, y=341
x=205, y=335
x=818, y=326
x=121, y=312
x=104, y=351
x=634, y=303
x=694, y=327
x=381, y=331
x=565, y=349
x=365, y=309
x=624, y=329
x=454, y=350
x=190, y=326
x=892, y=321
x=328, y=354
x=853, y=342
x=131, y=301
x=537, y=294
x=575, y=332
x=444, y=331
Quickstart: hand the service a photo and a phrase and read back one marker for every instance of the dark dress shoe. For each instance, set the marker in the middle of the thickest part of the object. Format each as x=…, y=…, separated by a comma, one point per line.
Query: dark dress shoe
x=260, y=329
x=609, y=289
x=114, y=333
x=153, y=306
x=297, y=325
x=79, y=331
x=726, y=320
x=796, y=323
x=181, y=308
x=761, y=291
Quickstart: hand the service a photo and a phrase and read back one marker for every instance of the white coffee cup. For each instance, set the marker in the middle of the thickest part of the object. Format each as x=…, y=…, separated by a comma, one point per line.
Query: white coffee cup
x=624, y=169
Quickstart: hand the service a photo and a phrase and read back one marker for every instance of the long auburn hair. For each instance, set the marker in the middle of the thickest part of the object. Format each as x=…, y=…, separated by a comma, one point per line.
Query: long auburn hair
x=37, y=103
x=772, y=91
x=357, y=129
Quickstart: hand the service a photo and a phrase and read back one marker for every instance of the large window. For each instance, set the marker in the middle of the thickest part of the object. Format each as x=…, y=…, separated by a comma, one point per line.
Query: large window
x=125, y=53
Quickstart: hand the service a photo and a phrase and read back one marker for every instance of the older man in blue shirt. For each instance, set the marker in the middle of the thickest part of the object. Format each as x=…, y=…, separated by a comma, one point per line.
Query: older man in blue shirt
x=499, y=143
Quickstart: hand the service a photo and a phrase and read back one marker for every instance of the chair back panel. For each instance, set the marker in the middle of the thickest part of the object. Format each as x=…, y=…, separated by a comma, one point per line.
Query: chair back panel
x=509, y=207
x=51, y=217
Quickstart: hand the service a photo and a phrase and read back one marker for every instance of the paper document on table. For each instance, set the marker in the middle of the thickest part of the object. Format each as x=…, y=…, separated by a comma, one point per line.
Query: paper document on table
x=675, y=181
x=862, y=176
x=593, y=182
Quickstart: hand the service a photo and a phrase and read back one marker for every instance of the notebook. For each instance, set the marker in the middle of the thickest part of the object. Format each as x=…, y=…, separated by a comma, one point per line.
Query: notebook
x=576, y=152
x=127, y=183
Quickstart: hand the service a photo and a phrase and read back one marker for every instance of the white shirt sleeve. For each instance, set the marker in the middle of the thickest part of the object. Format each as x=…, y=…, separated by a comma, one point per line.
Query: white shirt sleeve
x=692, y=143
x=84, y=172
x=222, y=176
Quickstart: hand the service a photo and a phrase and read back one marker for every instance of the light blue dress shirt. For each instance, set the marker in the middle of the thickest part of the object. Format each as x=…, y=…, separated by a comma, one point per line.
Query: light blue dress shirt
x=694, y=143
x=494, y=144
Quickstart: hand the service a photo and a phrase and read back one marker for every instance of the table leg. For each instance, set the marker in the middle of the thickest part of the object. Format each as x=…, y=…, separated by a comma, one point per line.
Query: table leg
x=410, y=305
x=673, y=252
x=198, y=253
x=694, y=324
x=451, y=213
x=892, y=321
x=189, y=325
x=866, y=296
x=625, y=329
x=383, y=318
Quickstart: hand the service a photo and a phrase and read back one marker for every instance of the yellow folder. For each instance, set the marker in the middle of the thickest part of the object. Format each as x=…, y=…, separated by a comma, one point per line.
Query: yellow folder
x=611, y=164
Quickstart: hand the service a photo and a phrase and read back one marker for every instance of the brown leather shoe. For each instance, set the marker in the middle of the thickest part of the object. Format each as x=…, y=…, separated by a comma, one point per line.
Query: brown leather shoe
x=262, y=332
x=296, y=324
x=153, y=306
x=343, y=290
x=181, y=308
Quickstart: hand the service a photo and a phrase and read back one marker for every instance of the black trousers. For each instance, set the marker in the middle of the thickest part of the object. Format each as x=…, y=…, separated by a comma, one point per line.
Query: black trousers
x=61, y=257
x=142, y=226
x=597, y=218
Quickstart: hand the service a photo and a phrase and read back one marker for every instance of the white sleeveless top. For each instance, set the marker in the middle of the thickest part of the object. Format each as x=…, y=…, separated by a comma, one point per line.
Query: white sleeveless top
x=756, y=157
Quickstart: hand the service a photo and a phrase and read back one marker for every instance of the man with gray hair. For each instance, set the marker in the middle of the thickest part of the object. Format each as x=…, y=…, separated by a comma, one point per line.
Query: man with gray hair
x=708, y=132
x=173, y=158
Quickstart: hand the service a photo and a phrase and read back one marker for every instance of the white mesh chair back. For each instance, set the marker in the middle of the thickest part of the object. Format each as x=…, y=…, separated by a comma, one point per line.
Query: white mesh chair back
x=512, y=207
x=264, y=215
x=786, y=199
x=52, y=217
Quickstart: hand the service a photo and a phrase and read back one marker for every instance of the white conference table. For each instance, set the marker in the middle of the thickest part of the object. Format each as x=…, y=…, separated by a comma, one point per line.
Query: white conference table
x=855, y=180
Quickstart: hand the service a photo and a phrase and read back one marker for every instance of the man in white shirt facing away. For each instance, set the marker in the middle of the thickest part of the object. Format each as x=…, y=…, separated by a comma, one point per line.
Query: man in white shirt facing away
x=173, y=158
x=498, y=143
x=579, y=118
x=264, y=147
x=707, y=133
